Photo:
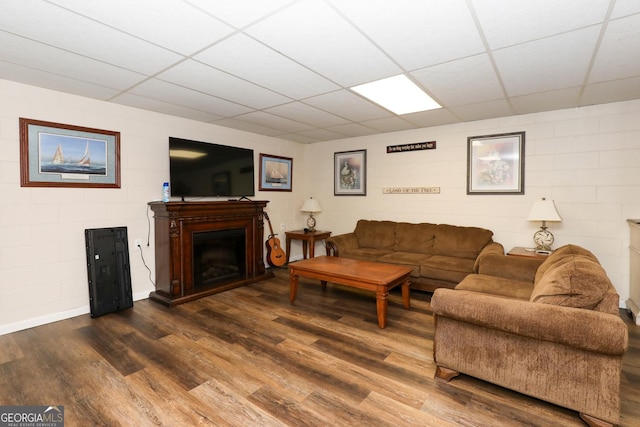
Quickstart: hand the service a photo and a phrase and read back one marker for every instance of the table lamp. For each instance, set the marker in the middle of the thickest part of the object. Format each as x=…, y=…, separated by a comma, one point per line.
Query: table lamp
x=543, y=210
x=311, y=206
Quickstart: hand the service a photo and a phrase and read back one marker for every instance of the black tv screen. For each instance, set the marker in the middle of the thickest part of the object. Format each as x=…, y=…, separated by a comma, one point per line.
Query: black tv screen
x=201, y=169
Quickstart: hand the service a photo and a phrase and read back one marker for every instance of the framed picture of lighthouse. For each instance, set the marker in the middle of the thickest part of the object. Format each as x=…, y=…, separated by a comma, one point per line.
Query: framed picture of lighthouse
x=60, y=155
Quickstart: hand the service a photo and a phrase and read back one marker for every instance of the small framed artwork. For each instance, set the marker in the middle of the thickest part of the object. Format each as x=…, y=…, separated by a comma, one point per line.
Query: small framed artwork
x=495, y=164
x=60, y=155
x=275, y=173
x=350, y=173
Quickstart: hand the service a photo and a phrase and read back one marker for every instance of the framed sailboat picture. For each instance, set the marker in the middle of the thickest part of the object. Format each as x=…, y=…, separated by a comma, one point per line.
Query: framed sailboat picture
x=60, y=155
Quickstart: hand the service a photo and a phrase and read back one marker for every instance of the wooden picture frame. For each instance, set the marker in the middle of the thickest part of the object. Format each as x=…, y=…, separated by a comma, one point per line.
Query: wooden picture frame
x=495, y=164
x=350, y=173
x=276, y=173
x=61, y=155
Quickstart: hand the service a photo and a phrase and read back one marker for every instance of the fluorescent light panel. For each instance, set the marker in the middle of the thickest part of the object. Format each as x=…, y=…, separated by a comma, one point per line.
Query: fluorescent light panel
x=397, y=94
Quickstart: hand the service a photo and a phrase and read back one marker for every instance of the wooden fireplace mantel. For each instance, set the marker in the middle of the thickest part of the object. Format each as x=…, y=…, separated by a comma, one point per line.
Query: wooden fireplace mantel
x=175, y=225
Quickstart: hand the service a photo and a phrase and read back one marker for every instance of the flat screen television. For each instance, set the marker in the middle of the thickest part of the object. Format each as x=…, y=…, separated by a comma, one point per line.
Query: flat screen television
x=202, y=169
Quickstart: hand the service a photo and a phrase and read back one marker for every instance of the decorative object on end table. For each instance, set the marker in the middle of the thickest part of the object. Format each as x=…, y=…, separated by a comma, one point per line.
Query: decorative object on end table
x=543, y=210
x=350, y=173
x=495, y=164
x=275, y=173
x=60, y=155
x=311, y=206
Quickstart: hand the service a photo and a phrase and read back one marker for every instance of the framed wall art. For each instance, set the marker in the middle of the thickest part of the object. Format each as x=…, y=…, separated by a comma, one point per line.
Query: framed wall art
x=60, y=155
x=350, y=173
x=495, y=164
x=275, y=173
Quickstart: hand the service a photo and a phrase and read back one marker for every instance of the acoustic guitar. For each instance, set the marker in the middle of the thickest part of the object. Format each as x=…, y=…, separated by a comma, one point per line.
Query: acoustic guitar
x=275, y=255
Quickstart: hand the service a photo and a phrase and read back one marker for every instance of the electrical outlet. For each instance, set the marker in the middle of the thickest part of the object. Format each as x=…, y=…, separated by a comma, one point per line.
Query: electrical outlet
x=138, y=243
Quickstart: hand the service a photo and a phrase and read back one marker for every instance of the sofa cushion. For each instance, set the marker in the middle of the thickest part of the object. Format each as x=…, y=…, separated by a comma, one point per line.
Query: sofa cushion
x=494, y=285
x=450, y=269
x=461, y=242
x=376, y=234
x=415, y=237
x=575, y=281
x=408, y=259
x=559, y=255
x=365, y=254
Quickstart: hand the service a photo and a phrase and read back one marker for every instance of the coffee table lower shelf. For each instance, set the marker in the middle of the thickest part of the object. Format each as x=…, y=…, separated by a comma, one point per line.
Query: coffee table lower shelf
x=371, y=276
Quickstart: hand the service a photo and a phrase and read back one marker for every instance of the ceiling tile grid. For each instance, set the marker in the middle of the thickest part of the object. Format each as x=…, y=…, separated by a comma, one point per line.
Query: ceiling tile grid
x=284, y=68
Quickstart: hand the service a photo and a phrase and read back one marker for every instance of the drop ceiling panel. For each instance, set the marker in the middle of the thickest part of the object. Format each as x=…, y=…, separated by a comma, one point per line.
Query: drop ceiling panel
x=456, y=82
x=408, y=30
x=625, y=8
x=619, y=53
x=248, y=127
x=346, y=104
x=431, y=118
x=612, y=91
x=571, y=53
x=353, y=130
x=246, y=58
x=285, y=66
x=313, y=34
x=83, y=36
x=389, y=124
x=202, y=78
x=173, y=94
x=546, y=101
x=240, y=13
x=306, y=114
x=54, y=61
x=162, y=23
x=513, y=22
x=484, y=110
x=30, y=76
x=322, y=134
x=275, y=122
x=164, y=107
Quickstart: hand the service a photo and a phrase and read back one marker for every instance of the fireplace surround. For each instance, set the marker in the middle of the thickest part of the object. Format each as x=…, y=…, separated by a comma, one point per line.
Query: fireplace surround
x=206, y=247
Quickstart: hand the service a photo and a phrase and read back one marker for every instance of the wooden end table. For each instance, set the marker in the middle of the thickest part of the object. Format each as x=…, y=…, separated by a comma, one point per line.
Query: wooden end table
x=371, y=276
x=523, y=252
x=309, y=239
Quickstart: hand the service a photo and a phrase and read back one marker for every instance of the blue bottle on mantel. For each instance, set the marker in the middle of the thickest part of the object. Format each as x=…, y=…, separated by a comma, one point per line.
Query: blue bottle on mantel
x=165, y=192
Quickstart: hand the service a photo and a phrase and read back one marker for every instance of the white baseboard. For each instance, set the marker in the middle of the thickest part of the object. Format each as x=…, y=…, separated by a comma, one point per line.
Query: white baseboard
x=635, y=310
x=55, y=317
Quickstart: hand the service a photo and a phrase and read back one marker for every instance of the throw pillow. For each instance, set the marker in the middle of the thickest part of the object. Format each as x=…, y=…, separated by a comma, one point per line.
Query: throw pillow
x=577, y=281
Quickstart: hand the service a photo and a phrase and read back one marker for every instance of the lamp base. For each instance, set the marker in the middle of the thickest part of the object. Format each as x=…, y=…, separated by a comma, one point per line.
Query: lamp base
x=311, y=223
x=543, y=239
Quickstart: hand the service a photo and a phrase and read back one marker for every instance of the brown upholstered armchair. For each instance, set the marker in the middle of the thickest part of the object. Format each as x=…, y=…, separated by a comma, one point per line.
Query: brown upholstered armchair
x=551, y=331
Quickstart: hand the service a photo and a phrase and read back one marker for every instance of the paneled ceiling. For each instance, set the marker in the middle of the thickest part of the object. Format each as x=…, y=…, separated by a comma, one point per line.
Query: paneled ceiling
x=283, y=68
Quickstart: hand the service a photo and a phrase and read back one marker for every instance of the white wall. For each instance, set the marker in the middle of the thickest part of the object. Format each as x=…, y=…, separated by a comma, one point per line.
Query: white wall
x=43, y=274
x=587, y=160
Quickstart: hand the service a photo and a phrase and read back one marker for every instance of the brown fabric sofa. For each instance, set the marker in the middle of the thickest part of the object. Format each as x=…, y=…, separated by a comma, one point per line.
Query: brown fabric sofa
x=441, y=255
x=551, y=330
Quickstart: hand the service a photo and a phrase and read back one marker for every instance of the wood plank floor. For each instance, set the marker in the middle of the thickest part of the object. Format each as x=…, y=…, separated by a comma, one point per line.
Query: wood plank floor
x=247, y=357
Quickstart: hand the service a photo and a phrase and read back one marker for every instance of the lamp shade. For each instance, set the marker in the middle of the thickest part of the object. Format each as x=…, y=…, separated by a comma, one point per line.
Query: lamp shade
x=544, y=210
x=311, y=205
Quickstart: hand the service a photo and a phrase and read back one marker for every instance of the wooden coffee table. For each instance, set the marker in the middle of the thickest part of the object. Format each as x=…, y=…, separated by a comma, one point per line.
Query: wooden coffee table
x=371, y=276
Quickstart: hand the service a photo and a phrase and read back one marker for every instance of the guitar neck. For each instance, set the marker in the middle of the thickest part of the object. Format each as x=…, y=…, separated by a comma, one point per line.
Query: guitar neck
x=269, y=222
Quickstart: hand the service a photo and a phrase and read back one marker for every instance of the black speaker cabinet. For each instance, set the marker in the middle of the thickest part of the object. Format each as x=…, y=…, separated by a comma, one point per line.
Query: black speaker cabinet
x=108, y=270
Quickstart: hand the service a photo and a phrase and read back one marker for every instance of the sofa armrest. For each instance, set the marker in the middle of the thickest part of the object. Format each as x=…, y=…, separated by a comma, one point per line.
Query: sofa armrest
x=509, y=267
x=341, y=242
x=492, y=248
x=587, y=330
